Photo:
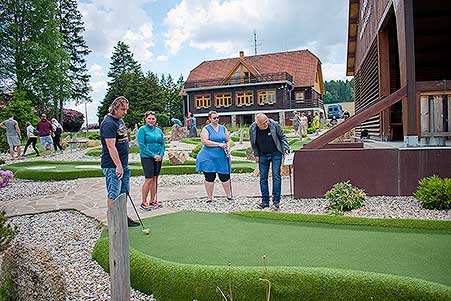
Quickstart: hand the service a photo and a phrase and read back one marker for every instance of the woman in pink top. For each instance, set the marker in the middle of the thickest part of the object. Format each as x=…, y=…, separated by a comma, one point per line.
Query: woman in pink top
x=303, y=126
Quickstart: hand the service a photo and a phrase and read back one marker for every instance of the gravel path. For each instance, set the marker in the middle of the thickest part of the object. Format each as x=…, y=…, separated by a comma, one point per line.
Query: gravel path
x=19, y=189
x=69, y=237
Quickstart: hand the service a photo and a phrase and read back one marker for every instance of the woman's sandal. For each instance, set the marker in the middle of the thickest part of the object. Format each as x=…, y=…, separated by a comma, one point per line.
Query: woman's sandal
x=209, y=200
x=145, y=207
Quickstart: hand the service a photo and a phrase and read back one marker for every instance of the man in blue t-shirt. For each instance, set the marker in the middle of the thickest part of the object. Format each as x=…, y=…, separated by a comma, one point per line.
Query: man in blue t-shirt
x=114, y=162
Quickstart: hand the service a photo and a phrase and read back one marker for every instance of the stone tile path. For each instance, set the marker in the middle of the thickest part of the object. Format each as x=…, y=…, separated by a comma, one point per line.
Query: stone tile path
x=89, y=198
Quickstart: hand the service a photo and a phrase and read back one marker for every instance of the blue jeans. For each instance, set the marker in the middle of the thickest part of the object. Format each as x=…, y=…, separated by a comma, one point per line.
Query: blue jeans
x=263, y=165
x=114, y=185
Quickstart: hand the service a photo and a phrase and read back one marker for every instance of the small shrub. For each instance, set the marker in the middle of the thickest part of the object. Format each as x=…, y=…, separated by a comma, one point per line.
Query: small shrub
x=72, y=120
x=94, y=136
x=195, y=151
x=344, y=197
x=5, y=176
x=311, y=130
x=7, y=232
x=434, y=193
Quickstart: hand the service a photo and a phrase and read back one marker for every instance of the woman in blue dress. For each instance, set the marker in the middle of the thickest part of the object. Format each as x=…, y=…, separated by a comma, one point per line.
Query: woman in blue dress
x=214, y=157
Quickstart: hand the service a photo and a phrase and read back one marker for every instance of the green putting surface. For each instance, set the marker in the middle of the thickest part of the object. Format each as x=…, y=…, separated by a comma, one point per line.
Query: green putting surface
x=220, y=239
x=66, y=170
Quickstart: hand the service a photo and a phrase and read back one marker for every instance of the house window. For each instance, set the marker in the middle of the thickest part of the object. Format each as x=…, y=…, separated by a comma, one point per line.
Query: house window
x=223, y=100
x=202, y=101
x=244, y=98
x=299, y=96
x=266, y=97
x=241, y=75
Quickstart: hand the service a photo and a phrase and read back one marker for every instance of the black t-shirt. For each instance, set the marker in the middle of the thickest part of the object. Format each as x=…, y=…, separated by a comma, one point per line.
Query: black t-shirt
x=114, y=128
x=265, y=142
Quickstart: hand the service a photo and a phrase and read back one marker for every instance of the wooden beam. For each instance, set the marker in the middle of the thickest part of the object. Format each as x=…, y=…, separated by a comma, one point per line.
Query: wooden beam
x=119, y=249
x=356, y=120
x=410, y=68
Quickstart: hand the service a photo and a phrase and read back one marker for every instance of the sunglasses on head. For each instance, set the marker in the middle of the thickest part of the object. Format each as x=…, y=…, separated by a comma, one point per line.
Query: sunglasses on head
x=150, y=113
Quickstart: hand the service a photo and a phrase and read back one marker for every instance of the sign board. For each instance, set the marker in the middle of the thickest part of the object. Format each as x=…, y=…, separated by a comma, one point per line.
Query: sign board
x=288, y=159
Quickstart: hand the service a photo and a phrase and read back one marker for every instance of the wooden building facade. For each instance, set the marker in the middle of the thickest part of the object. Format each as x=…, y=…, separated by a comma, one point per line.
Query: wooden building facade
x=394, y=44
x=276, y=84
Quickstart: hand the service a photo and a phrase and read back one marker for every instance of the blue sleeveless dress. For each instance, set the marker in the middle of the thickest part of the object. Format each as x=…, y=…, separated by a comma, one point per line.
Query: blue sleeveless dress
x=214, y=159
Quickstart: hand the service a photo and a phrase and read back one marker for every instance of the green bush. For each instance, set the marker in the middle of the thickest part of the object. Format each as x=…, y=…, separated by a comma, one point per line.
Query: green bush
x=344, y=197
x=191, y=140
x=434, y=193
x=173, y=281
x=239, y=153
x=163, y=120
x=311, y=130
x=94, y=136
x=195, y=151
x=7, y=232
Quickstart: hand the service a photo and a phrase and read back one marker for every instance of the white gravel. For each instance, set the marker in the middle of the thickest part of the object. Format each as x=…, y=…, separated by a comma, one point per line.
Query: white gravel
x=19, y=189
x=69, y=237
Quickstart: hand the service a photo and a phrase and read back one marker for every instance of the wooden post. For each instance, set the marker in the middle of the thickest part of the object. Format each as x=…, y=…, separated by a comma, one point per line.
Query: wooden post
x=119, y=250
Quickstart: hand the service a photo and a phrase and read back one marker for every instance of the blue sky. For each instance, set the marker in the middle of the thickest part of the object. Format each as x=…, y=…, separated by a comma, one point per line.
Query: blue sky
x=174, y=36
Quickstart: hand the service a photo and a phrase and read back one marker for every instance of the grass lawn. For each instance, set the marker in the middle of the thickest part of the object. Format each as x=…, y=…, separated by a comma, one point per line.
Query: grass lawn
x=217, y=239
x=65, y=170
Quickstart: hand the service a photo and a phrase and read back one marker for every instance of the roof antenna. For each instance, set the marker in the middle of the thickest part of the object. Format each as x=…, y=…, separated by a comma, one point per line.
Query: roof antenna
x=255, y=42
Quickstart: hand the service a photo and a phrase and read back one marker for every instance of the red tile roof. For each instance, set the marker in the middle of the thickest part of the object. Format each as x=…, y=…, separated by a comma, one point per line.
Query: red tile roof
x=301, y=64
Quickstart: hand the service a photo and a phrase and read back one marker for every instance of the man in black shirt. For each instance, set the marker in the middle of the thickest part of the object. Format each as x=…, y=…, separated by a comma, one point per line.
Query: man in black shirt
x=269, y=144
x=114, y=162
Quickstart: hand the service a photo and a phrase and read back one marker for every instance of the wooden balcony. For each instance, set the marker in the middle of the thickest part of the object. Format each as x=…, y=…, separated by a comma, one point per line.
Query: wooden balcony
x=261, y=78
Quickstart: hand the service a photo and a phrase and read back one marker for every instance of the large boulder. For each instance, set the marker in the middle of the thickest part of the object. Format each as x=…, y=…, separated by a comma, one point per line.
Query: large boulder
x=250, y=154
x=34, y=274
x=176, y=157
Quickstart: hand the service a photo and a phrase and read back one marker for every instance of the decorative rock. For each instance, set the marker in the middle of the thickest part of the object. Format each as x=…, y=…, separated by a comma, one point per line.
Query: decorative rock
x=178, y=132
x=176, y=157
x=250, y=154
x=34, y=273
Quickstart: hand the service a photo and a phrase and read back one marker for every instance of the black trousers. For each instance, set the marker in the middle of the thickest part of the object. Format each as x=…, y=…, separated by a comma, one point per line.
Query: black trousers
x=56, y=142
x=31, y=141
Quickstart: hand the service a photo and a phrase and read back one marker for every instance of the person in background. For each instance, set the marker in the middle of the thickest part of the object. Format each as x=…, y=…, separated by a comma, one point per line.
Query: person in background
x=57, y=132
x=269, y=144
x=296, y=122
x=303, y=126
x=346, y=115
x=315, y=122
x=192, y=126
x=151, y=150
x=32, y=138
x=114, y=161
x=12, y=135
x=309, y=118
x=214, y=157
x=333, y=122
x=45, y=130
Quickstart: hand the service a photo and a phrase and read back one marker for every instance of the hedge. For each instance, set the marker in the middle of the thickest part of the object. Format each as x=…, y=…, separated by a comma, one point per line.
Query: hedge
x=20, y=171
x=173, y=281
x=239, y=153
x=350, y=220
x=97, y=152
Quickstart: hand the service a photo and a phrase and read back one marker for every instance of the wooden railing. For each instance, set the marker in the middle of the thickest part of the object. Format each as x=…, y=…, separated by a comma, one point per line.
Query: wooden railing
x=261, y=78
x=435, y=108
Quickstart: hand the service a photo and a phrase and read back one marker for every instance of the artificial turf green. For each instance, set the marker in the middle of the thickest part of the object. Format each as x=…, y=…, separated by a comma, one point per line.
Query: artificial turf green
x=220, y=239
x=208, y=242
x=66, y=170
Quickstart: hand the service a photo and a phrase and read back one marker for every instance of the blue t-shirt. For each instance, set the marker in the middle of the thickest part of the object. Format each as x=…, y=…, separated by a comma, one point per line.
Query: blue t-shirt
x=114, y=128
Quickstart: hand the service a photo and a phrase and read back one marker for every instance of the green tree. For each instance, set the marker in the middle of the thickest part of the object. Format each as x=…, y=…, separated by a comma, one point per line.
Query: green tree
x=339, y=91
x=71, y=28
x=22, y=109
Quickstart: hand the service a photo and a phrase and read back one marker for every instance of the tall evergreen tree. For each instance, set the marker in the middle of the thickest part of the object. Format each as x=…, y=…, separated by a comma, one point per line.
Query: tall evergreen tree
x=125, y=74
x=71, y=28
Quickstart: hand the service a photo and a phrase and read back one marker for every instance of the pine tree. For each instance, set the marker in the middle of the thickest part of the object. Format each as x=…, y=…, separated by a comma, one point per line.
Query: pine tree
x=71, y=28
x=126, y=75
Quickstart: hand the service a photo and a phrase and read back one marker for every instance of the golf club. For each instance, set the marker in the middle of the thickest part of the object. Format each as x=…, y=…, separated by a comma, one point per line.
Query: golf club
x=227, y=152
x=147, y=230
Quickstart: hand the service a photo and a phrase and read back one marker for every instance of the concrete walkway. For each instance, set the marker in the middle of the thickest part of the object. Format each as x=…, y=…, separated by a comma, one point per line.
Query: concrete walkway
x=90, y=198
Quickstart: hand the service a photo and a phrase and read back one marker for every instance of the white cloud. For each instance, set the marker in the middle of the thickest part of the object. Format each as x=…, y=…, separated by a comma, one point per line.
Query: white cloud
x=110, y=21
x=227, y=26
x=334, y=71
x=99, y=86
x=162, y=58
x=96, y=70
